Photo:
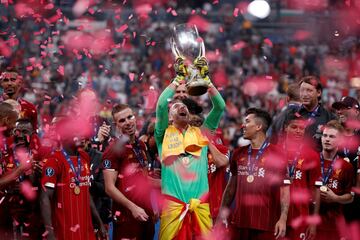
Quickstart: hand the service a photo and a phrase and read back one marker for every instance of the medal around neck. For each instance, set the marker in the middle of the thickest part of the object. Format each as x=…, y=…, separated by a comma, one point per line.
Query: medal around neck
x=77, y=190
x=323, y=188
x=250, y=178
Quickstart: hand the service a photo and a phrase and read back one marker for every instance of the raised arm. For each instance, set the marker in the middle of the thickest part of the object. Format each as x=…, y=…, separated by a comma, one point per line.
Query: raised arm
x=218, y=103
x=213, y=119
x=162, y=116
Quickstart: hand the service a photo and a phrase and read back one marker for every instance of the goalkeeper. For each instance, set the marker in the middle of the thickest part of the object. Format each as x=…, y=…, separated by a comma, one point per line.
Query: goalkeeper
x=183, y=153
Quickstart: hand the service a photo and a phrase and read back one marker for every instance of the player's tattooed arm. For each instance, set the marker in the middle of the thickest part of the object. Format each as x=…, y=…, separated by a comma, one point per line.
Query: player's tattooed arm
x=226, y=201
x=284, y=201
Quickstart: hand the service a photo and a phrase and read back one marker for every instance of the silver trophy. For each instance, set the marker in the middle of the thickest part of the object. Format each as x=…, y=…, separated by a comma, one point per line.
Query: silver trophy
x=187, y=44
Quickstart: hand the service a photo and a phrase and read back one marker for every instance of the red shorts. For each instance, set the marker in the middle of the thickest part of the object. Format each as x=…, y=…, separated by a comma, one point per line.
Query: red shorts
x=131, y=228
x=296, y=234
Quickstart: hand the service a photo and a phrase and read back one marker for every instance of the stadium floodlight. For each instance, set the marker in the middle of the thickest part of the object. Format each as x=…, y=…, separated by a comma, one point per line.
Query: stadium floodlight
x=259, y=8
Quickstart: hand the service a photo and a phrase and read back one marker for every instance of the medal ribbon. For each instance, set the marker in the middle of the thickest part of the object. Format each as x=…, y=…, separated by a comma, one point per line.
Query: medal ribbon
x=251, y=164
x=291, y=167
x=77, y=173
x=138, y=154
x=313, y=113
x=346, y=152
x=329, y=171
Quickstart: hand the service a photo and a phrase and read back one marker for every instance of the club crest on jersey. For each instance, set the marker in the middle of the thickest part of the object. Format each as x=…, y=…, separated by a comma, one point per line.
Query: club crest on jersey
x=107, y=164
x=337, y=173
x=49, y=172
x=300, y=163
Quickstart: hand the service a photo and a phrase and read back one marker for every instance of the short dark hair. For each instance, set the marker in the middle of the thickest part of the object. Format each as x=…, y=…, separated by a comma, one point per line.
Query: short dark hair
x=6, y=109
x=291, y=116
x=10, y=70
x=118, y=108
x=293, y=92
x=262, y=115
x=193, y=106
x=312, y=80
x=23, y=121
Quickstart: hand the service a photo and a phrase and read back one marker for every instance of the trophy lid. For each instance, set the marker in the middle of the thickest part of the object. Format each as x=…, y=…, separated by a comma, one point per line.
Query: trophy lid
x=187, y=42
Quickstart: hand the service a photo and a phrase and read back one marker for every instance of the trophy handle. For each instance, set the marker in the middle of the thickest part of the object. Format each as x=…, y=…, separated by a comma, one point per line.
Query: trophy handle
x=174, y=49
x=202, y=50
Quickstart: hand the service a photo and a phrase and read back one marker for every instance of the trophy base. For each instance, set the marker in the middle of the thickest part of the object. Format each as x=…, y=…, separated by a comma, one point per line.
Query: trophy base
x=197, y=88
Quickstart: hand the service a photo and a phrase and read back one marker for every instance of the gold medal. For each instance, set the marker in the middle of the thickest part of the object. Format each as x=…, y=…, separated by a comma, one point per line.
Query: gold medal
x=323, y=188
x=77, y=190
x=250, y=178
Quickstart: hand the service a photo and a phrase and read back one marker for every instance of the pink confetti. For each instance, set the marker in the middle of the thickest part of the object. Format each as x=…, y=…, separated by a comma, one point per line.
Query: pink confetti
x=5, y=50
x=201, y=23
x=23, y=10
x=314, y=219
x=75, y=228
x=59, y=205
x=236, y=12
x=143, y=10
x=239, y=45
x=45, y=234
x=122, y=28
x=117, y=213
x=174, y=13
x=49, y=6
x=301, y=35
x=61, y=70
x=268, y=42
x=80, y=7
x=91, y=11
x=27, y=190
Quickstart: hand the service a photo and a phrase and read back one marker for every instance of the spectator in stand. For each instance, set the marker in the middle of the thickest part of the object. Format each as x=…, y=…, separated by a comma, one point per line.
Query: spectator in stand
x=348, y=113
x=335, y=186
x=293, y=103
x=181, y=92
x=311, y=108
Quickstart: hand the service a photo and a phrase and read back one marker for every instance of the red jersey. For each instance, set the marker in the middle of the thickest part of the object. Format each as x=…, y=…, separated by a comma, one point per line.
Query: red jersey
x=132, y=181
x=305, y=171
x=28, y=110
x=216, y=178
x=257, y=204
x=340, y=182
x=71, y=212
